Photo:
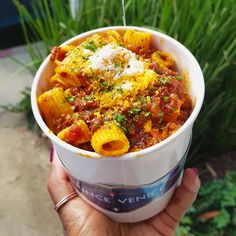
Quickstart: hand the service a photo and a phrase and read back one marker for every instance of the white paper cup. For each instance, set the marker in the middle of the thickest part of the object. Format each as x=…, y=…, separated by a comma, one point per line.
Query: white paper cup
x=137, y=185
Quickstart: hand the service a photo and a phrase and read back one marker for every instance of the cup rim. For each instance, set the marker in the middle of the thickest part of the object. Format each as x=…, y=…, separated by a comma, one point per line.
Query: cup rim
x=130, y=155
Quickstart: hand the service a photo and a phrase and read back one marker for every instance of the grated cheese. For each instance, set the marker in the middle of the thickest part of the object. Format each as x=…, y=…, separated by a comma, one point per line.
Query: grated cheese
x=127, y=85
x=106, y=58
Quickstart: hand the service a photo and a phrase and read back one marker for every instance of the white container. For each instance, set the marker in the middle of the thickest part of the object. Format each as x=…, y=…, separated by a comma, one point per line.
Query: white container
x=137, y=185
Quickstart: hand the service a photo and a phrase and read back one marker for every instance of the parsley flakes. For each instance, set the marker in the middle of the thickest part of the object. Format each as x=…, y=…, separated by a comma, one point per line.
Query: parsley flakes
x=70, y=98
x=91, y=46
x=164, y=80
x=118, y=120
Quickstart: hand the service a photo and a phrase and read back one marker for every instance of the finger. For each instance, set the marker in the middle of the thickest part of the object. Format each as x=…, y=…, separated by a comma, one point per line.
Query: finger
x=58, y=183
x=59, y=186
x=185, y=195
x=183, y=198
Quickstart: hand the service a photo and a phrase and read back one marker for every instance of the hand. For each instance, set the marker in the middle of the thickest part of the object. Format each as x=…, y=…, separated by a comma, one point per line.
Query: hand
x=78, y=218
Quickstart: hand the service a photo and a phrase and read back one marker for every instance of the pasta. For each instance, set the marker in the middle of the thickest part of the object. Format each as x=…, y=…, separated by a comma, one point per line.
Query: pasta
x=76, y=134
x=53, y=104
x=137, y=39
x=110, y=140
x=114, y=93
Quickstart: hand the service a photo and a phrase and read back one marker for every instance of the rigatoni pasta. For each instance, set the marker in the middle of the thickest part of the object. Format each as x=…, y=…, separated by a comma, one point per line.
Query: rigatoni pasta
x=114, y=93
x=110, y=140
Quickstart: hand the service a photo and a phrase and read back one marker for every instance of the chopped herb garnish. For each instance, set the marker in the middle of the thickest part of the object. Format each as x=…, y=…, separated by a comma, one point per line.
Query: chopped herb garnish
x=85, y=58
x=119, y=118
x=104, y=84
x=164, y=80
x=136, y=110
x=118, y=89
x=121, y=126
x=161, y=116
x=90, y=97
x=146, y=114
x=87, y=98
x=90, y=45
x=165, y=98
x=179, y=78
x=142, y=100
x=70, y=98
x=117, y=65
x=101, y=44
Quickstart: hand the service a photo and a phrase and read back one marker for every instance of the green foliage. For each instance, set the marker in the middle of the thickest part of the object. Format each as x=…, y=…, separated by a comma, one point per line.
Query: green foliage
x=218, y=195
x=23, y=106
x=207, y=28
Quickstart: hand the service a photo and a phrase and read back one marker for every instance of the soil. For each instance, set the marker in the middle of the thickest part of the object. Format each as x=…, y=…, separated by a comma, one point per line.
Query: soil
x=217, y=166
x=25, y=206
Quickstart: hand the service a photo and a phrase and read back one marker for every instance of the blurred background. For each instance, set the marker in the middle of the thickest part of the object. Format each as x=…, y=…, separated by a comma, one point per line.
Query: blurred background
x=30, y=28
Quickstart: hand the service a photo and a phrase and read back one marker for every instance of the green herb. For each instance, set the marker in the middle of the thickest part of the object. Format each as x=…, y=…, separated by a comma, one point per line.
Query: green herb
x=117, y=65
x=146, y=114
x=104, y=84
x=119, y=89
x=165, y=98
x=90, y=45
x=119, y=118
x=164, y=80
x=70, y=98
x=88, y=97
x=135, y=110
x=161, y=116
x=142, y=100
x=121, y=126
x=179, y=78
x=85, y=58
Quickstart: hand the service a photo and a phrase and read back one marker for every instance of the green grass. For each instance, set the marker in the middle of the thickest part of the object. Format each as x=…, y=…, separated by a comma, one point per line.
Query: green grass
x=207, y=28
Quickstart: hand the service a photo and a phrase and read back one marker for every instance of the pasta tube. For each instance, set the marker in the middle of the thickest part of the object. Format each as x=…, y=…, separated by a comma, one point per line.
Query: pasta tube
x=53, y=104
x=114, y=36
x=163, y=59
x=76, y=134
x=56, y=80
x=137, y=39
x=110, y=140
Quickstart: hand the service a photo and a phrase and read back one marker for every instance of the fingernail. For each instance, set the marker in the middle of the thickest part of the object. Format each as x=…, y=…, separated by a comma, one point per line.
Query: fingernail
x=196, y=171
x=51, y=153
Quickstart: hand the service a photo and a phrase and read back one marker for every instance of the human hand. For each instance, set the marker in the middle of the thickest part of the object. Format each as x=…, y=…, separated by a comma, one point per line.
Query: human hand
x=79, y=218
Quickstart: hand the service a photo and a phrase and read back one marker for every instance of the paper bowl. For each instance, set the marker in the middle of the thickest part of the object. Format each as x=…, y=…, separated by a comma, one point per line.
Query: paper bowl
x=136, y=185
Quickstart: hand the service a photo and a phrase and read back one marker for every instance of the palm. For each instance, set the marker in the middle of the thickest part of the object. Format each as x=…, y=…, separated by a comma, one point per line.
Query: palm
x=91, y=222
